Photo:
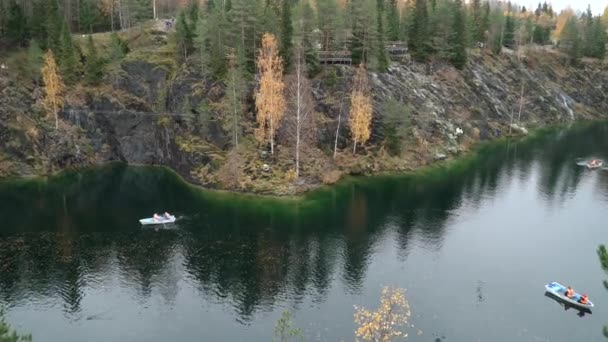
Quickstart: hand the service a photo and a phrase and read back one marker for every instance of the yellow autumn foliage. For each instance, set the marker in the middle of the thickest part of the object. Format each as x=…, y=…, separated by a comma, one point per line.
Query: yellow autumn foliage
x=361, y=108
x=385, y=323
x=269, y=100
x=53, y=86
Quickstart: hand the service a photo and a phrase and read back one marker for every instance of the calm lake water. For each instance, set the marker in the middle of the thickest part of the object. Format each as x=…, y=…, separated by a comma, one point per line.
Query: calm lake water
x=473, y=244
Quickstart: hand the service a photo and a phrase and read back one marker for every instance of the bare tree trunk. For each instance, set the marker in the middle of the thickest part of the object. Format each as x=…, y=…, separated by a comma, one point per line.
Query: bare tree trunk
x=154, y=16
x=120, y=15
x=355, y=146
x=298, y=112
x=521, y=102
x=235, y=123
x=271, y=136
x=338, y=127
x=56, y=117
x=112, y=15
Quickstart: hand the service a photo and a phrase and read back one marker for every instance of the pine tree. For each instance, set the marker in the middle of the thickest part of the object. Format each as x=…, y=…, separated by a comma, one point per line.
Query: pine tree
x=458, y=52
x=269, y=99
x=93, y=64
x=508, y=39
x=53, y=87
x=393, y=30
x=419, y=32
x=569, y=39
x=16, y=27
x=286, y=33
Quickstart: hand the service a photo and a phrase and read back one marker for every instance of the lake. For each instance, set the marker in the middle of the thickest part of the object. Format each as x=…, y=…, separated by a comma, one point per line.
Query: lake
x=473, y=242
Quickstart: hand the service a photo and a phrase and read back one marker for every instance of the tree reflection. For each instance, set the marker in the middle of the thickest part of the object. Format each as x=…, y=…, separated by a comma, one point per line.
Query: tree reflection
x=249, y=253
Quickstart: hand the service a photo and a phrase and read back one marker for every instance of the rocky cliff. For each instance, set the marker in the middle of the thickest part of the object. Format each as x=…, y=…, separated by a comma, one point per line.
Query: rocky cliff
x=138, y=115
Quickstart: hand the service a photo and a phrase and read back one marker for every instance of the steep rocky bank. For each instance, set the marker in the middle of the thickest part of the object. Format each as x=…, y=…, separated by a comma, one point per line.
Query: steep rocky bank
x=138, y=116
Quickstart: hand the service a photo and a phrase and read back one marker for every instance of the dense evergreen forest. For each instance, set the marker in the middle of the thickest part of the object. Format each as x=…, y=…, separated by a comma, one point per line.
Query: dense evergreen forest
x=209, y=29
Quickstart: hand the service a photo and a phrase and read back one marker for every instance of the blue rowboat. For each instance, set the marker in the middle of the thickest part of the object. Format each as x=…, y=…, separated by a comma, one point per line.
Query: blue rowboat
x=559, y=291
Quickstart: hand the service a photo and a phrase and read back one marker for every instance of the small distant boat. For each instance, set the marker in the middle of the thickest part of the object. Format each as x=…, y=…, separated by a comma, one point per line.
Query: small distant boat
x=559, y=291
x=594, y=164
x=160, y=220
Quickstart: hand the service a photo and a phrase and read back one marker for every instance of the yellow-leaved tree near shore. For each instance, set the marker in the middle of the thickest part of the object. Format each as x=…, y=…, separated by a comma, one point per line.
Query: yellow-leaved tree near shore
x=270, y=98
x=53, y=86
x=388, y=321
x=360, y=108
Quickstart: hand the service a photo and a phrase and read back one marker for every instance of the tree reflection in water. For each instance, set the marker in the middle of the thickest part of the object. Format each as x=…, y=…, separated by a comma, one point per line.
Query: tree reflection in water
x=65, y=234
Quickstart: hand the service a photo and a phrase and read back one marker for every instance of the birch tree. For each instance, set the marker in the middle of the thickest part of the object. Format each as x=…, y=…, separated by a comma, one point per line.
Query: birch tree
x=269, y=99
x=360, y=108
x=53, y=86
x=301, y=106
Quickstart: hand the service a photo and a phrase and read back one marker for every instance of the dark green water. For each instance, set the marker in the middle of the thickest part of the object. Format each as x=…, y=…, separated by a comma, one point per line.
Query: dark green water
x=473, y=244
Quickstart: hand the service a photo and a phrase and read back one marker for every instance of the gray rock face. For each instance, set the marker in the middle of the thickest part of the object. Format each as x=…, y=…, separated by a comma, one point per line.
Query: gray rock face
x=445, y=108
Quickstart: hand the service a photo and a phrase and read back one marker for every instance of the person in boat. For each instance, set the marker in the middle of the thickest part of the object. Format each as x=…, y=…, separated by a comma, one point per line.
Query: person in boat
x=156, y=217
x=167, y=215
x=584, y=299
x=569, y=292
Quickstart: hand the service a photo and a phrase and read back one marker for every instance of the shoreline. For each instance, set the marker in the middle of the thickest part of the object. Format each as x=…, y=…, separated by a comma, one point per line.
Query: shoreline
x=473, y=150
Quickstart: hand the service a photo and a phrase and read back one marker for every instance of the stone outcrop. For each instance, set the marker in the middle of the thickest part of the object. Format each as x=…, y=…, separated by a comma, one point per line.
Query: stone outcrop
x=139, y=114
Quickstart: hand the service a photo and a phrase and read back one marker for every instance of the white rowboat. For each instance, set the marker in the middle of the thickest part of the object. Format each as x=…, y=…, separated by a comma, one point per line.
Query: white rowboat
x=162, y=220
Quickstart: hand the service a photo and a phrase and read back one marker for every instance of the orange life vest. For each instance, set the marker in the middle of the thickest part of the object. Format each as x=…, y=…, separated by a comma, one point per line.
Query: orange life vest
x=584, y=300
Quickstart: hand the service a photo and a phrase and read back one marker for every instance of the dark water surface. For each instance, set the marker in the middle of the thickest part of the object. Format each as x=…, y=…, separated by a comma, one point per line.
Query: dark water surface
x=473, y=244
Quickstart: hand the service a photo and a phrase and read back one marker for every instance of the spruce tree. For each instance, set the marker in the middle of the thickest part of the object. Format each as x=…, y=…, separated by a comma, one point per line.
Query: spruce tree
x=381, y=56
x=16, y=27
x=184, y=37
x=598, y=43
x=393, y=31
x=193, y=14
x=93, y=64
x=118, y=48
x=477, y=32
x=327, y=14
x=304, y=20
x=285, y=49
x=54, y=26
x=38, y=21
x=418, y=42
x=68, y=55
x=569, y=39
x=458, y=52
x=34, y=59
x=508, y=39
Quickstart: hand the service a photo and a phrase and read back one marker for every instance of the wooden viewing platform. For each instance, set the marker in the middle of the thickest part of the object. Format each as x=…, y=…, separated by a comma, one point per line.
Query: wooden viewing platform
x=335, y=57
x=396, y=48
